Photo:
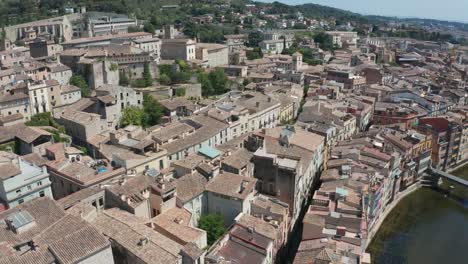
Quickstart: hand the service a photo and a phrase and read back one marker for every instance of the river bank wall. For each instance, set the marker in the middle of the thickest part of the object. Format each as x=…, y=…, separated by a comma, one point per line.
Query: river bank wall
x=388, y=210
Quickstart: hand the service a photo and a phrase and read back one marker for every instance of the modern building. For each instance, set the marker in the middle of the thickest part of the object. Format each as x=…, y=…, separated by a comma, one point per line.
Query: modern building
x=21, y=181
x=109, y=25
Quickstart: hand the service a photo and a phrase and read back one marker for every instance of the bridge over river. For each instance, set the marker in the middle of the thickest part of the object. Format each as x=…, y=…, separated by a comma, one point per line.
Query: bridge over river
x=447, y=176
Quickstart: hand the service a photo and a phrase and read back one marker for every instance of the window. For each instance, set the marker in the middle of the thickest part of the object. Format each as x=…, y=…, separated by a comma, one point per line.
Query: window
x=20, y=201
x=29, y=187
x=161, y=164
x=18, y=191
x=101, y=202
x=41, y=194
x=94, y=204
x=39, y=183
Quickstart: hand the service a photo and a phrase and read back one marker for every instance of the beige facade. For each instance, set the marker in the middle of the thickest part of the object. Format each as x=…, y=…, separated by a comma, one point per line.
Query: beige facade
x=39, y=97
x=212, y=55
x=178, y=49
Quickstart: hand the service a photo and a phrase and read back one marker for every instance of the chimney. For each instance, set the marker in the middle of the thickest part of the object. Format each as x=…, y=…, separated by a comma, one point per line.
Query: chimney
x=243, y=186
x=143, y=241
x=122, y=181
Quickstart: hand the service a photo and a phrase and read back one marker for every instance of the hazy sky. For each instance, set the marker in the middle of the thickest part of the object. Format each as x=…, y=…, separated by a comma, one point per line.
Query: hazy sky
x=453, y=10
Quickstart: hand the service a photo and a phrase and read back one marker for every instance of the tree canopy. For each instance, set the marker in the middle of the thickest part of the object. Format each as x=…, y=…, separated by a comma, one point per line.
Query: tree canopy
x=170, y=74
x=153, y=111
x=256, y=53
x=214, y=83
x=45, y=119
x=213, y=224
x=79, y=81
x=325, y=41
x=254, y=38
x=132, y=115
x=147, y=75
x=149, y=115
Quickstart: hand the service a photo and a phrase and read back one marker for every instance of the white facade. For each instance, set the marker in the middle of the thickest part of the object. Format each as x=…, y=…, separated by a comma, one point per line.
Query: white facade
x=110, y=25
x=63, y=77
x=150, y=45
x=197, y=206
x=15, y=105
x=39, y=98
x=275, y=46
x=31, y=182
x=70, y=97
x=348, y=38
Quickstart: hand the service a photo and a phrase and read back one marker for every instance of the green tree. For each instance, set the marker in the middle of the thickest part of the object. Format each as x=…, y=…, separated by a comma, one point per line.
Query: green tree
x=41, y=119
x=219, y=81
x=147, y=75
x=256, y=53
x=123, y=79
x=180, y=92
x=300, y=26
x=191, y=30
x=153, y=111
x=213, y=224
x=164, y=79
x=79, y=81
x=360, y=31
x=207, y=88
x=325, y=41
x=45, y=119
x=57, y=135
x=148, y=27
x=255, y=38
x=132, y=29
x=84, y=150
x=2, y=34
x=132, y=115
x=139, y=83
x=113, y=66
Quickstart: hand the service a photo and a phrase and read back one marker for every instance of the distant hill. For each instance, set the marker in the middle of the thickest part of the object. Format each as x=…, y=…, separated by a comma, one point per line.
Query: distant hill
x=20, y=11
x=319, y=12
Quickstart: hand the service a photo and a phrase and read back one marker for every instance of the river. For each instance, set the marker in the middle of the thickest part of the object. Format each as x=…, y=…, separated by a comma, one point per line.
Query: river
x=425, y=227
